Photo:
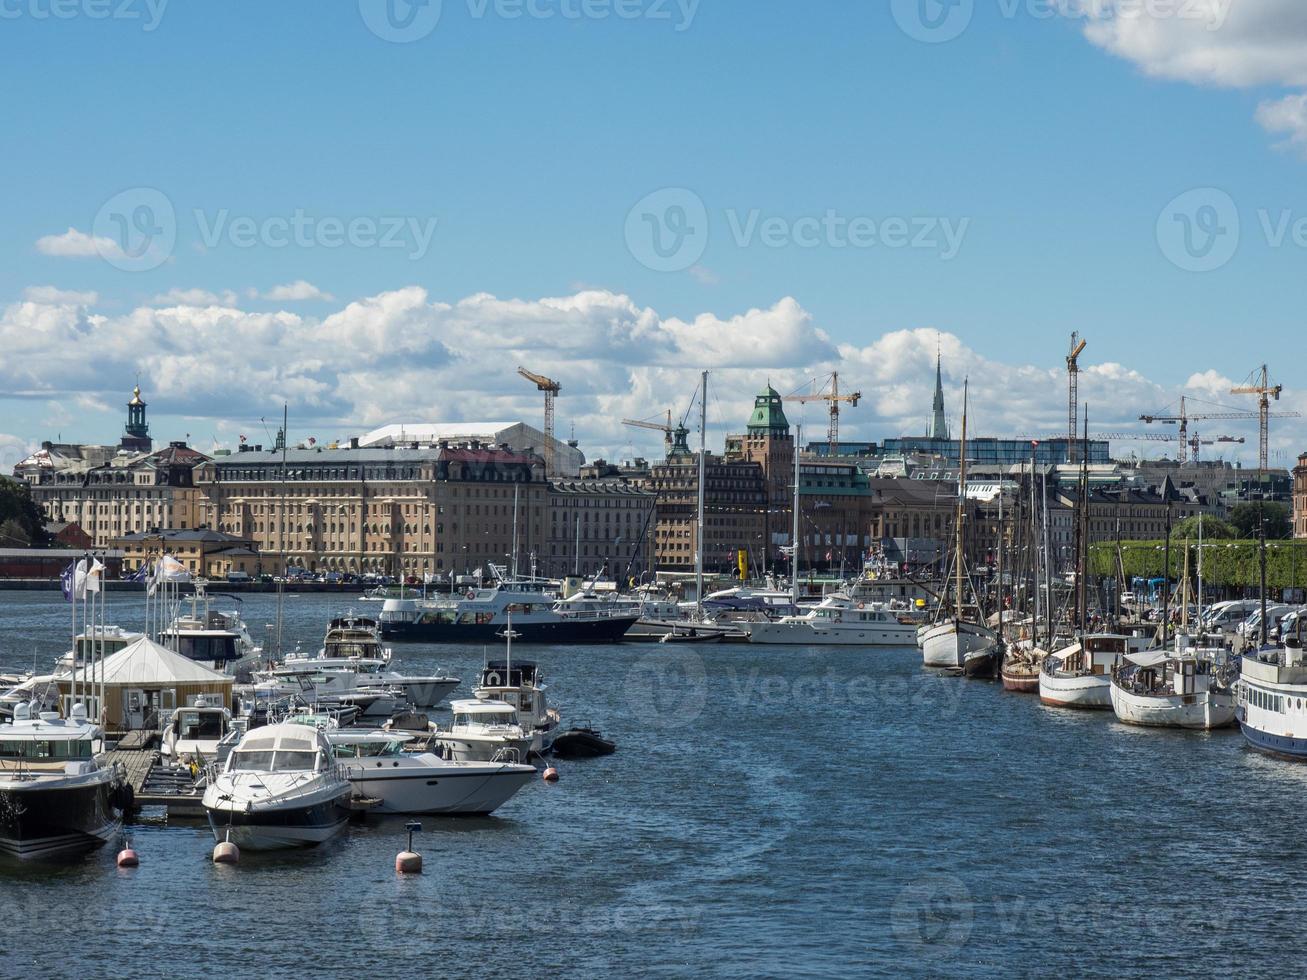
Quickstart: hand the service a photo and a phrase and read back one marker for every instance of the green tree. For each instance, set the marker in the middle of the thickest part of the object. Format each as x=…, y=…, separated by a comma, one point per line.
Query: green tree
x=1245, y=516
x=1213, y=529
x=21, y=517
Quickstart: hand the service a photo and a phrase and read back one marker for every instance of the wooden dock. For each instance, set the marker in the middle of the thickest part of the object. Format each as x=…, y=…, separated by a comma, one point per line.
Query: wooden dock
x=157, y=785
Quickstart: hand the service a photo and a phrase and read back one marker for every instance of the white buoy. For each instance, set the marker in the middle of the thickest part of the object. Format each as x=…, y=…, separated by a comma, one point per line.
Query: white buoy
x=409, y=862
x=226, y=853
x=550, y=775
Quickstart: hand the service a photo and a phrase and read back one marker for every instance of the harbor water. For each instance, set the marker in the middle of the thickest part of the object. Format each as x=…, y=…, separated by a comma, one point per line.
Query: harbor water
x=770, y=811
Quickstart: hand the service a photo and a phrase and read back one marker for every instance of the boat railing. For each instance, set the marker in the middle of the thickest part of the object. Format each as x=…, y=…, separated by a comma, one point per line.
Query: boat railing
x=508, y=754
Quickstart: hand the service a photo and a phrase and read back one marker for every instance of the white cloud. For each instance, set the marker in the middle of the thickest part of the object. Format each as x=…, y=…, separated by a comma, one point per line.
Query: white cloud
x=1286, y=117
x=195, y=297
x=1225, y=43
x=77, y=245
x=297, y=291
x=58, y=297
x=704, y=275
x=400, y=356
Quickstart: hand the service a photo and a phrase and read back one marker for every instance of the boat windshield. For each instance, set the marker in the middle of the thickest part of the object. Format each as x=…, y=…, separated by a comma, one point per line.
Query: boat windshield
x=487, y=718
x=283, y=760
x=42, y=750
x=369, y=750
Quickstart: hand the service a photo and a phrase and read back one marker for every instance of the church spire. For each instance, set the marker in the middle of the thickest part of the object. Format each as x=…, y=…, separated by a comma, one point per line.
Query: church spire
x=938, y=423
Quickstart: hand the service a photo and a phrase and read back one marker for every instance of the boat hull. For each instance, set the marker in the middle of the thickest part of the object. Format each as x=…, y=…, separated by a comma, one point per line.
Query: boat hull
x=462, y=748
x=1087, y=691
x=425, y=692
x=1204, y=710
x=806, y=634
x=1023, y=682
x=283, y=827
x=38, y=822
x=608, y=630
x=1282, y=745
x=440, y=789
x=947, y=645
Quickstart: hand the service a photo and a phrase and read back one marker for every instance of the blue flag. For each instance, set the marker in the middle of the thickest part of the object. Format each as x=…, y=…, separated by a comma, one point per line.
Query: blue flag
x=66, y=581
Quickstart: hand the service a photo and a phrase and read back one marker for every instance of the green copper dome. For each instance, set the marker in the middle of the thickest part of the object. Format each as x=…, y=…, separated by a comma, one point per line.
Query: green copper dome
x=768, y=412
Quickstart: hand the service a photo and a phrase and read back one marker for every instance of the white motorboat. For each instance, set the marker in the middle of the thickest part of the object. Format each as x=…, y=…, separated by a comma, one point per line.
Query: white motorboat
x=1080, y=675
x=837, y=621
x=484, y=731
x=1272, y=699
x=281, y=787
x=520, y=685
x=194, y=732
x=1170, y=690
x=379, y=769
x=56, y=795
x=218, y=639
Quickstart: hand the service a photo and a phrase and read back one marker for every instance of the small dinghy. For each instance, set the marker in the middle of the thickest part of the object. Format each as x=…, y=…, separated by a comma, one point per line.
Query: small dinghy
x=582, y=743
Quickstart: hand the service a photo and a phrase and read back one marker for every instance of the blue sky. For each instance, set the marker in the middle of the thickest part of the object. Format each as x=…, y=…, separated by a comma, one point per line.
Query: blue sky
x=528, y=141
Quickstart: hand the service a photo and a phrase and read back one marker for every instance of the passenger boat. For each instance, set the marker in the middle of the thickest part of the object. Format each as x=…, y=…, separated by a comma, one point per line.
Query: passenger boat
x=281, y=787
x=837, y=621
x=56, y=795
x=1271, y=704
x=1173, y=690
x=520, y=685
x=484, y=731
x=1080, y=675
x=378, y=768
x=481, y=614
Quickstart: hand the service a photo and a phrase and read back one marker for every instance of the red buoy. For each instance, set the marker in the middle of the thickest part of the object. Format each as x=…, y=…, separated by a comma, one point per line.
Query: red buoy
x=128, y=858
x=550, y=775
x=226, y=853
x=408, y=863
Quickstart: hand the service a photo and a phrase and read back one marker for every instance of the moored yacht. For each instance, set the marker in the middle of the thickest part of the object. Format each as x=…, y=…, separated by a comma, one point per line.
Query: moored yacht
x=378, y=768
x=55, y=795
x=215, y=638
x=194, y=732
x=281, y=787
x=1080, y=675
x=1272, y=699
x=1173, y=690
x=520, y=685
x=837, y=620
x=484, y=731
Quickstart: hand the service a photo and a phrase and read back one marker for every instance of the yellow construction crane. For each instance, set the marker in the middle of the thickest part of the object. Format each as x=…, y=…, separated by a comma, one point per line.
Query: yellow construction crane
x=1183, y=418
x=1266, y=391
x=1073, y=394
x=833, y=396
x=551, y=388
x=666, y=429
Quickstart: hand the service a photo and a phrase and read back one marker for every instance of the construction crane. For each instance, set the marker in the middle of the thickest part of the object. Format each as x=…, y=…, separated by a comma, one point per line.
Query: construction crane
x=1184, y=418
x=1265, y=391
x=666, y=429
x=1073, y=394
x=835, y=399
x=551, y=388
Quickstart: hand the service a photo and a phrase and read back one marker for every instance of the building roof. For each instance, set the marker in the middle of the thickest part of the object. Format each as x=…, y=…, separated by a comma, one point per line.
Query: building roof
x=433, y=432
x=768, y=411
x=147, y=663
x=201, y=534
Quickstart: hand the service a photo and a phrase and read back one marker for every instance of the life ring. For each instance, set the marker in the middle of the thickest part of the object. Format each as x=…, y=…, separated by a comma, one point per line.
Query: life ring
x=492, y=680
x=471, y=593
x=862, y=605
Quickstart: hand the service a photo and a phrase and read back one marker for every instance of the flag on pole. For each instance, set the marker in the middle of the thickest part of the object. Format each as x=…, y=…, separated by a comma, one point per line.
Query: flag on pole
x=79, y=580
x=67, y=579
x=152, y=579
x=140, y=574
x=95, y=576
x=171, y=570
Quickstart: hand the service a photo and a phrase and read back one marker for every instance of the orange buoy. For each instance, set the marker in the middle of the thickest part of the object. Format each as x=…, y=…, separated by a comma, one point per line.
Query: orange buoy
x=128, y=858
x=226, y=853
x=550, y=775
x=408, y=863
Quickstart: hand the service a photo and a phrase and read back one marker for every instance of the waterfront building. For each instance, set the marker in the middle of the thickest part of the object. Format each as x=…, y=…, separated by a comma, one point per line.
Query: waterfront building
x=518, y=436
x=204, y=552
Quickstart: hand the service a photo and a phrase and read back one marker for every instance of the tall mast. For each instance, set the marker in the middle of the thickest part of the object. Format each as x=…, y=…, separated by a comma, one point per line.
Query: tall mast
x=699, y=532
x=1048, y=562
x=1002, y=544
x=794, y=537
x=962, y=494
x=281, y=526
x=515, y=489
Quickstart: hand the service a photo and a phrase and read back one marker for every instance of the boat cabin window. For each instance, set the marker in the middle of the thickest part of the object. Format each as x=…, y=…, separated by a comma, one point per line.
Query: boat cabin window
x=368, y=750
x=217, y=649
x=42, y=750
x=291, y=761
x=487, y=718
x=283, y=760
x=200, y=724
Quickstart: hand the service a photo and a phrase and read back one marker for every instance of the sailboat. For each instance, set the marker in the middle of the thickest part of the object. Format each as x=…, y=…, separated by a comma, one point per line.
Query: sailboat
x=950, y=640
x=1023, y=658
